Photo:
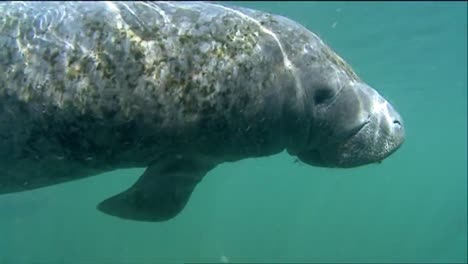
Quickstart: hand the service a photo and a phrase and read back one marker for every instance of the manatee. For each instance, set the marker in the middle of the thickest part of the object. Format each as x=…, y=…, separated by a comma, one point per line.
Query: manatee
x=177, y=88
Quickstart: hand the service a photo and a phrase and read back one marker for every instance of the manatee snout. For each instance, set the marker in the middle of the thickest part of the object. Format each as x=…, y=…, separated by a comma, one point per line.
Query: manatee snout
x=356, y=127
x=382, y=134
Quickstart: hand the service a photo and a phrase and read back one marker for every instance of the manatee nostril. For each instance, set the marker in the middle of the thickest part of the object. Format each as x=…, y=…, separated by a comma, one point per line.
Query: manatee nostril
x=397, y=123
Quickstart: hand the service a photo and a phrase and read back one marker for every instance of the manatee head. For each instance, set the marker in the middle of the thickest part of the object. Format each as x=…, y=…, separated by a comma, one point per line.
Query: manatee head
x=349, y=123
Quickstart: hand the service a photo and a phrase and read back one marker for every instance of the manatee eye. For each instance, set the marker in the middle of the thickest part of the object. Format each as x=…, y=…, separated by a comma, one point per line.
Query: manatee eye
x=322, y=95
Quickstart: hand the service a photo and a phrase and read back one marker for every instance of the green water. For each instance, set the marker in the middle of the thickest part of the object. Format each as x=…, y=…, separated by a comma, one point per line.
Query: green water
x=410, y=208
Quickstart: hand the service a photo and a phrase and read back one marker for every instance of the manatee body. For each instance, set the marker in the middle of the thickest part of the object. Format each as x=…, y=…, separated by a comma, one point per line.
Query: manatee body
x=178, y=88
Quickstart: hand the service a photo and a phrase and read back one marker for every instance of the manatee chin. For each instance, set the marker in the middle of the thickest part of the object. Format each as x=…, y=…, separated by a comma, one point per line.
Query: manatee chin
x=357, y=127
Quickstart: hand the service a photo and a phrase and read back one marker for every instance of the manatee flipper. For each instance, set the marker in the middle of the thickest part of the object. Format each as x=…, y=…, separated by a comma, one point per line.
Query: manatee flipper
x=161, y=192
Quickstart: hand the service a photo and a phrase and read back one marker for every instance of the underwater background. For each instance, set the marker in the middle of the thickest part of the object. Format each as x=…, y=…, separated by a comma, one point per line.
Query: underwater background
x=410, y=208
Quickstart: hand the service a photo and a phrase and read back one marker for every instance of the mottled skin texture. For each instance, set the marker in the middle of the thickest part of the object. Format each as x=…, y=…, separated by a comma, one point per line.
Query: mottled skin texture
x=176, y=87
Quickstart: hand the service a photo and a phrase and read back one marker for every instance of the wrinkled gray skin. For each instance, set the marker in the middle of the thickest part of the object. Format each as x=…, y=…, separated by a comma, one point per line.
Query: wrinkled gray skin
x=175, y=87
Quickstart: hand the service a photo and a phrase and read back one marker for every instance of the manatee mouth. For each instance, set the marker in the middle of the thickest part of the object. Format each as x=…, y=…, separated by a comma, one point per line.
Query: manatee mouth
x=376, y=139
x=322, y=158
x=360, y=128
